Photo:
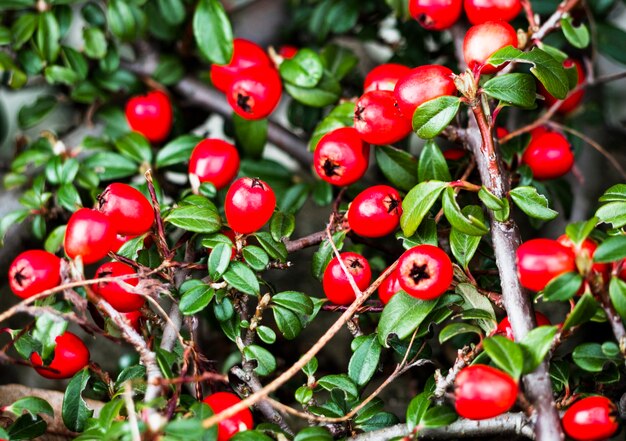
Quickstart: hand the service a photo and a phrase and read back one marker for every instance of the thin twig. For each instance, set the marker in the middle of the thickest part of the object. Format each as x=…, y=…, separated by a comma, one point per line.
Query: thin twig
x=130, y=410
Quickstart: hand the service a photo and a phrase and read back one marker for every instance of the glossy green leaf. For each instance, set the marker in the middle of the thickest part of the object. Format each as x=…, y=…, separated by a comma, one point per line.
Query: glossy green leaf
x=31, y=114
x=417, y=203
x=305, y=69
x=617, y=293
x=532, y=203
x=471, y=223
x=398, y=166
x=454, y=329
x=255, y=257
x=75, y=411
x=250, y=135
x=241, y=277
x=585, y=309
x=111, y=166
x=48, y=35
x=506, y=354
x=364, y=361
x=515, y=89
x=536, y=345
x=325, y=93
x=266, y=363
x=295, y=301
x=563, y=287
x=611, y=250
x=288, y=322
x=341, y=382
x=196, y=299
x=578, y=36
x=432, y=164
x=433, y=116
x=177, y=150
x=402, y=315
x=197, y=218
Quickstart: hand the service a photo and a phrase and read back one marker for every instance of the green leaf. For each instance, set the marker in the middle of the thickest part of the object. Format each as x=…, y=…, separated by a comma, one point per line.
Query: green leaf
x=591, y=358
x=55, y=239
x=431, y=117
x=305, y=69
x=196, y=299
x=438, y=417
x=325, y=93
x=398, y=166
x=31, y=114
x=135, y=146
x=177, y=150
x=613, y=213
x=516, y=89
x=276, y=249
x=418, y=407
x=68, y=197
x=341, y=382
x=197, y=218
x=251, y=135
x=60, y=75
x=241, y=277
x=295, y=301
x=213, y=32
x=611, y=250
x=536, y=345
x=95, y=42
x=75, y=411
x=255, y=257
x=545, y=68
x=578, y=36
x=616, y=193
x=313, y=434
x=432, y=164
x=464, y=246
x=26, y=427
x=402, y=315
x=266, y=363
x=325, y=253
x=470, y=221
x=267, y=335
x=338, y=60
x=585, y=309
x=417, y=203
x=219, y=259
x=609, y=38
x=47, y=328
x=341, y=116
x=563, y=287
x=475, y=300
x=506, y=354
x=32, y=405
x=251, y=435
x=169, y=71
x=48, y=35
x=579, y=231
x=23, y=29
x=111, y=166
x=532, y=203
x=454, y=329
x=172, y=11
x=282, y=225
x=121, y=19
x=617, y=293
x=364, y=362
x=288, y=322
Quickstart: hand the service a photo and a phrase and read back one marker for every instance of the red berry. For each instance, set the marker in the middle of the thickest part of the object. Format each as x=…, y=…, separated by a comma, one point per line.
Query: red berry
x=375, y=212
x=591, y=419
x=34, y=271
x=113, y=292
x=588, y=248
x=70, y=356
x=230, y=426
x=245, y=54
x=214, y=161
x=454, y=154
x=378, y=118
x=129, y=211
x=549, y=156
x=573, y=100
x=255, y=92
x=541, y=260
x=287, y=51
x=483, y=392
x=249, y=204
x=336, y=285
x=151, y=115
x=483, y=40
x=341, y=157
x=504, y=327
x=89, y=234
x=389, y=287
x=501, y=132
x=423, y=84
x=425, y=271
x=385, y=77
x=480, y=11
x=435, y=15
x=133, y=318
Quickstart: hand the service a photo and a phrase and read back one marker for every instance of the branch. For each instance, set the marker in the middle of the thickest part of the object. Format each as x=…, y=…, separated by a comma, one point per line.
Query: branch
x=553, y=22
x=306, y=241
x=506, y=424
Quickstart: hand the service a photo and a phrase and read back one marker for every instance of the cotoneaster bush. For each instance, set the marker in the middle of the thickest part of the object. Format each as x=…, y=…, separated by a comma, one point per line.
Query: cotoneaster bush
x=420, y=180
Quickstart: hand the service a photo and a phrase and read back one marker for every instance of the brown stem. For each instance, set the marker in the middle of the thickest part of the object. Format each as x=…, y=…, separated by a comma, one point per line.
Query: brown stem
x=305, y=242
x=161, y=241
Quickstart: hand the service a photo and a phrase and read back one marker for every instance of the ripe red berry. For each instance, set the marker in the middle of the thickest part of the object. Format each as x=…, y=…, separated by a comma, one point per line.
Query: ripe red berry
x=151, y=115
x=341, y=157
x=129, y=211
x=133, y=318
x=549, y=156
x=587, y=249
x=89, y=234
x=34, y=271
x=249, y=204
x=113, y=292
x=541, y=260
x=255, y=92
x=389, y=287
x=591, y=419
x=573, y=100
x=375, y=212
x=214, y=161
x=422, y=84
x=245, y=54
x=480, y=11
x=385, y=77
x=435, y=15
x=483, y=392
x=483, y=40
x=501, y=132
x=287, y=51
x=504, y=327
x=230, y=426
x=336, y=285
x=378, y=119
x=454, y=154
x=425, y=271
x=70, y=356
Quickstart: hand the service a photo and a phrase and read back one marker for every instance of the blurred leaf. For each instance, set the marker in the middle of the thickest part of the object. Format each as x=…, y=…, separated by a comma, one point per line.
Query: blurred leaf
x=173, y=11
x=31, y=114
x=585, y=309
x=95, y=42
x=536, y=345
x=591, y=358
x=507, y=355
x=213, y=32
x=611, y=250
x=454, y=329
x=48, y=35
x=617, y=293
x=177, y=150
x=326, y=92
x=398, y=166
x=23, y=29
x=251, y=135
x=26, y=427
x=532, y=203
x=169, y=71
x=563, y=287
x=341, y=382
x=341, y=116
x=305, y=69
x=32, y=405
x=578, y=36
x=338, y=60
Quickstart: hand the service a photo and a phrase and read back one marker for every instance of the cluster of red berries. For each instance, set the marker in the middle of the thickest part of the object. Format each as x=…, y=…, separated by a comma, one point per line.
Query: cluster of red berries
x=250, y=81
x=437, y=15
